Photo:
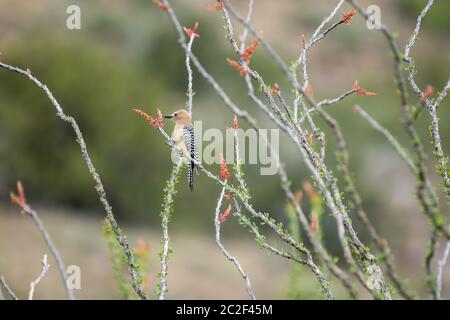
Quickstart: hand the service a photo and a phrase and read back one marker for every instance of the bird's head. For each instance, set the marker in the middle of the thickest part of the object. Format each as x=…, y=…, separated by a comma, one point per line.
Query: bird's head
x=180, y=117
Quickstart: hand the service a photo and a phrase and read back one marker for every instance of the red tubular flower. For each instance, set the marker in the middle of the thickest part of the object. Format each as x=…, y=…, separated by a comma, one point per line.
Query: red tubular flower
x=223, y=216
x=215, y=6
x=428, y=92
x=346, y=17
x=161, y=5
x=21, y=192
x=361, y=91
x=236, y=66
x=250, y=50
x=224, y=173
x=235, y=123
x=19, y=199
x=159, y=118
x=192, y=32
x=153, y=122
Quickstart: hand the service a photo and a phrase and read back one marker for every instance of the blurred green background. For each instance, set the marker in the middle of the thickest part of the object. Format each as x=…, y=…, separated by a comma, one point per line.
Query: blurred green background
x=126, y=55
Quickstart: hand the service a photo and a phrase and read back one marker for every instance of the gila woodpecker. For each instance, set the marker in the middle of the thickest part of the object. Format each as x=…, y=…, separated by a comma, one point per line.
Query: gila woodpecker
x=184, y=137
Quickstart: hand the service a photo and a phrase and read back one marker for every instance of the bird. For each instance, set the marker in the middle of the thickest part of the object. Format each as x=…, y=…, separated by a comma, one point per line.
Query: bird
x=184, y=137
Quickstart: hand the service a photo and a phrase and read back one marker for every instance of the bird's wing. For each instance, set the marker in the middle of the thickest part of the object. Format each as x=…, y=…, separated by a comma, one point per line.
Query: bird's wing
x=191, y=146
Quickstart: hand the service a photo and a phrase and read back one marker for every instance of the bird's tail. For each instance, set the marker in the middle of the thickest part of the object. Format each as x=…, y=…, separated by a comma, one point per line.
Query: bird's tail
x=191, y=176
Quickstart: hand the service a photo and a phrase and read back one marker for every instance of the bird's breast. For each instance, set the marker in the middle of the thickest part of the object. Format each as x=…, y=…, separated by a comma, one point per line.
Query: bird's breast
x=178, y=135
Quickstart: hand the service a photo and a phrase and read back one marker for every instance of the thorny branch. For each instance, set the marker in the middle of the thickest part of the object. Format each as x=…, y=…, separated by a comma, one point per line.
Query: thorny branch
x=245, y=201
x=170, y=188
x=442, y=168
x=59, y=261
x=7, y=288
x=308, y=261
x=442, y=160
x=389, y=137
x=263, y=243
x=327, y=102
x=20, y=201
x=190, y=92
x=260, y=238
x=165, y=218
x=34, y=283
x=233, y=259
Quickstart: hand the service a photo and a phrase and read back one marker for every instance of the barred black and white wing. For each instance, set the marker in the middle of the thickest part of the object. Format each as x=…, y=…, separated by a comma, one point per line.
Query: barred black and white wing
x=192, y=148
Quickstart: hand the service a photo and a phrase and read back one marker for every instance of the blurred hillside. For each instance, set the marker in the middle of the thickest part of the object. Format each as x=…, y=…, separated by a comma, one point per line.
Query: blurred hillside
x=126, y=55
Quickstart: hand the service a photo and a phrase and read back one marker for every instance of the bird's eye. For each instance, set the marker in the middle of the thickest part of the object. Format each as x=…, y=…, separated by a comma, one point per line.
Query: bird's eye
x=175, y=114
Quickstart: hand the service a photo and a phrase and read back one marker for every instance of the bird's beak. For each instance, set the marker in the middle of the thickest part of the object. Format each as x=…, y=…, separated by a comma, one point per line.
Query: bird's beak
x=170, y=116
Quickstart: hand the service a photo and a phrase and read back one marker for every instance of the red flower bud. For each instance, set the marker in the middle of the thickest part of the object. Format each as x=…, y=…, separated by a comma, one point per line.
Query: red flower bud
x=223, y=216
x=161, y=5
x=250, y=50
x=235, y=123
x=19, y=199
x=224, y=173
x=192, y=32
x=428, y=92
x=237, y=66
x=361, y=91
x=348, y=15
